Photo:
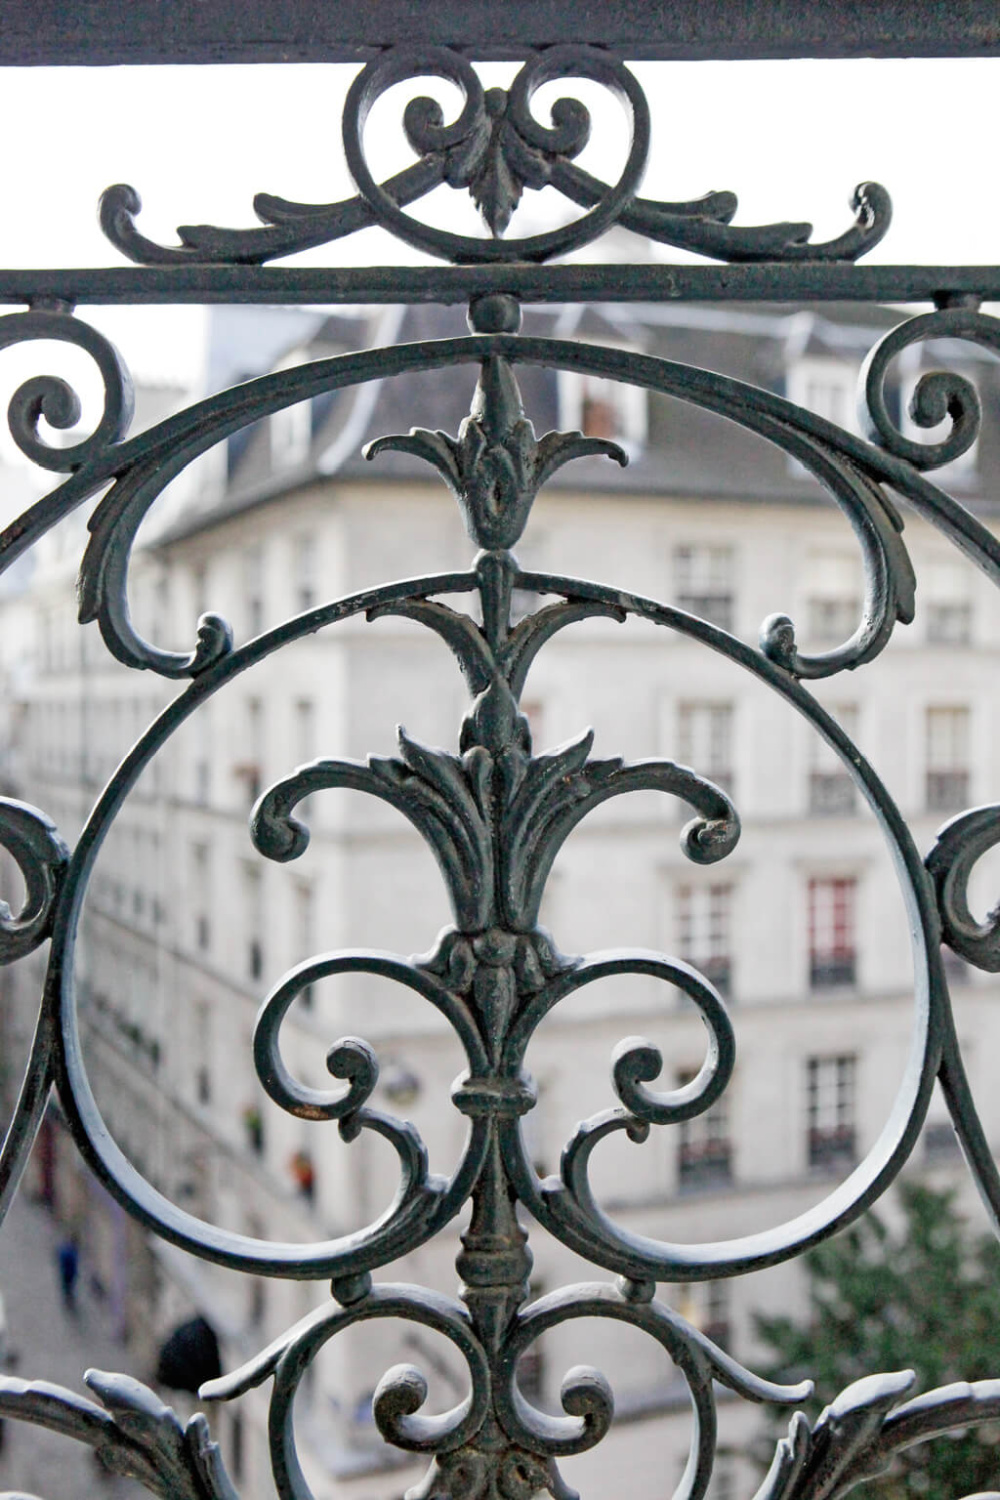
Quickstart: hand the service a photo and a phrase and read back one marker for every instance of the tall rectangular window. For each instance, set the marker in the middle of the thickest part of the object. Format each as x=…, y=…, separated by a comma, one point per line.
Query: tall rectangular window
x=947, y=736
x=831, y=790
x=253, y=912
x=704, y=931
x=832, y=952
x=705, y=740
x=603, y=408
x=830, y=1095
x=947, y=606
x=200, y=896
x=249, y=769
x=253, y=589
x=304, y=565
x=704, y=1152
x=704, y=582
x=305, y=935
x=835, y=588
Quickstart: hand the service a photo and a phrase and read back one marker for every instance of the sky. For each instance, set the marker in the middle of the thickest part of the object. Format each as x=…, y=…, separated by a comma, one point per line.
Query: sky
x=791, y=138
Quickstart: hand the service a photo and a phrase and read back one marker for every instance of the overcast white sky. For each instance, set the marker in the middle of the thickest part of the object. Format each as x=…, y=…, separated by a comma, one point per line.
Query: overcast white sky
x=791, y=139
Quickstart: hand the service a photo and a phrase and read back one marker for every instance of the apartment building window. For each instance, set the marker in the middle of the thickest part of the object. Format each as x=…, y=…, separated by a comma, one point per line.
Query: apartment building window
x=199, y=588
x=603, y=408
x=253, y=589
x=827, y=386
x=291, y=433
x=704, y=1153
x=704, y=931
x=832, y=951
x=704, y=582
x=305, y=731
x=203, y=756
x=830, y=1096
x=706, y=1305
x=831, y=789
x=249, y=770
x=304, y=566
x=200, y=897
x=705, y=740
x=947, y=736
x=947, y=608
x=305, y=934
x=305, y=751
x=203, y=1052
x=254, y=921
x=833, y=607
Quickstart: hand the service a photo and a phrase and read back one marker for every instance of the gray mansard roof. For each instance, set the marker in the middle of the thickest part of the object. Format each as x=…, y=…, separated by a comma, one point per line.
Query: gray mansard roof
x=687, y=452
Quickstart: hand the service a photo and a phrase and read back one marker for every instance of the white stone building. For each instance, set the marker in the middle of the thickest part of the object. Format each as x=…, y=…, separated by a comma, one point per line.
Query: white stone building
x=802, y=927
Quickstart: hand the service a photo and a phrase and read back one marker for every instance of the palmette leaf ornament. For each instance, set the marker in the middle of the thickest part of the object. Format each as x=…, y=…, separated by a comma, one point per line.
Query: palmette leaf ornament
x=131, y=1431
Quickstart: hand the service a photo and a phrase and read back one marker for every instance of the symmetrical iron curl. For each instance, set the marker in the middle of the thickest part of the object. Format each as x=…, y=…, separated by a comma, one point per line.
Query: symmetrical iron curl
x=495, y=148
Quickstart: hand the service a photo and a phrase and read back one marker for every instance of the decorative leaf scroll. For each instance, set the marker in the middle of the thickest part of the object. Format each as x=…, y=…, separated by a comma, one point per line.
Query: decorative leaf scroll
x=132, y=1432
x=495, y=148
x=960, y=844
x=496, y=466
x=856, y=1436
x=32, y=839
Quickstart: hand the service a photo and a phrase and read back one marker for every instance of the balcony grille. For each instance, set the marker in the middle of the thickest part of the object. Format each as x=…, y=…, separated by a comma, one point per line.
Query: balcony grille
x=496, y=808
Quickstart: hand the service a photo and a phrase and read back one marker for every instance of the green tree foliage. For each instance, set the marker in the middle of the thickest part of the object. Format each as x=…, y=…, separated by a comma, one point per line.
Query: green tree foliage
x=922, y=1295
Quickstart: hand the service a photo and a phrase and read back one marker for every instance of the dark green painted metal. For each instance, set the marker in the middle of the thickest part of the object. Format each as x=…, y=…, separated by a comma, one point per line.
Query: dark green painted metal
x=494, y=812
x=216, y=31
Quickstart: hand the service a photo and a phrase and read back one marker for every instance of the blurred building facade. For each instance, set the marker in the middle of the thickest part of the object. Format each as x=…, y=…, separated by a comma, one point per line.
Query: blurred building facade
x=802, y=928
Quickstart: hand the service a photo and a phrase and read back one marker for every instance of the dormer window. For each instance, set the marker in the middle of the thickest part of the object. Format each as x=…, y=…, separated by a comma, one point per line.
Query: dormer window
x=826, y=386
x=603, y=408
x=291, y=432
x=291, y=428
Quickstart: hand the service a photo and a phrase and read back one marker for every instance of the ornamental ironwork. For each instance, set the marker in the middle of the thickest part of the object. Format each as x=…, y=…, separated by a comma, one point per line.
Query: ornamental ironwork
x=495, y=811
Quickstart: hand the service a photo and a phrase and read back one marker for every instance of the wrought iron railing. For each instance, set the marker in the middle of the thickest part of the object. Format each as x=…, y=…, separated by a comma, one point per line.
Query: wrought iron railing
x=494, y=812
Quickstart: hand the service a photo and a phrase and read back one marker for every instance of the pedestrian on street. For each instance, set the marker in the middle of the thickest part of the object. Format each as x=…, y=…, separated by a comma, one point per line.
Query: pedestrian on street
x=68, y=1258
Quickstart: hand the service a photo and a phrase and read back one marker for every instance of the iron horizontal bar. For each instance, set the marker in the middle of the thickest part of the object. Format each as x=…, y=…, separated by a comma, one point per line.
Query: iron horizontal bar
x=805, y=281
x=217, y=31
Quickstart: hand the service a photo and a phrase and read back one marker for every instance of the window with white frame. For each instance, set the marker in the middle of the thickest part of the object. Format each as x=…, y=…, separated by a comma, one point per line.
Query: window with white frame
x=253, y=916
x=827, y=386
x=831, y=789
x=305, y=751
x=253, y=588
x=304, y=571
x=704, y=1151
x=200, y=886
x=705, y=740
x=832, y=938
x=704, y=581
x=305, y=936
x=704, y=935
x=249, y=769
x=603, y=408
x=830, y=1104
x=947, y=605
x=833, y=604
x=947, y=733
x=291, y=428
x=707, y=1306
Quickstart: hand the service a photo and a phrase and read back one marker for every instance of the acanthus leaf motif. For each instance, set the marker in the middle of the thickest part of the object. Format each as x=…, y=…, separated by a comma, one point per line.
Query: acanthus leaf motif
x=496, y=465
